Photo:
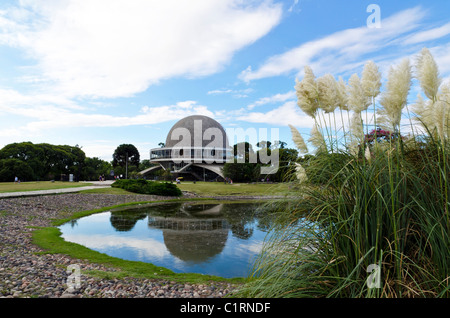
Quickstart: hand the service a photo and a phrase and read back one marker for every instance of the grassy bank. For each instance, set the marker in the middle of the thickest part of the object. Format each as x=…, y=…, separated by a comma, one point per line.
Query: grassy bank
x=38, y=185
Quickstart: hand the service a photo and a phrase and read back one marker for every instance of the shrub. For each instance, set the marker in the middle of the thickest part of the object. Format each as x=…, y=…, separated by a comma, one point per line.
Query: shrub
x=148, y=187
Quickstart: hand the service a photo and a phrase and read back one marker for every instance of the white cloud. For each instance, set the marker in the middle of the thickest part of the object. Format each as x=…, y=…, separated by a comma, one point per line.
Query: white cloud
x=273, y=99
x=291, y=8
x=288, y=113
x=144, y=248
x=115, y=48
x=342, y=51
x=43, y=112
x=220, y=91
x=237, y=93
x=428, y=35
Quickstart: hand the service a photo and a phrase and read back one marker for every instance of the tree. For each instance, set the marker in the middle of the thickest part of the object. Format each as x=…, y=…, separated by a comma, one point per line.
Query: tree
x=287, y=157
x=126, y=153
x=45, y=160
x=145, y=164
x=94, y=167
x=27, y=152
x=263, y=144
x=11, y=168
x=280, y=144
x=243, y=150
x=241, y=172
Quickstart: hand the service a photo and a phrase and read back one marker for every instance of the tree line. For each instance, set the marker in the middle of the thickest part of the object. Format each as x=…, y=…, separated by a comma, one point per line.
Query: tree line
x=43, y=161
x=248, y=171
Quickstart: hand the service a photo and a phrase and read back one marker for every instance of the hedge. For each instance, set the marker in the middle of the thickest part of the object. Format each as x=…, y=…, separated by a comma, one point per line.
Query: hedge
x=148, y=187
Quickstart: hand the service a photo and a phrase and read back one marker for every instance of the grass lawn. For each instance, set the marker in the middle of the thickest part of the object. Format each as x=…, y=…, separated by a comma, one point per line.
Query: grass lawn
x=218, y=189
x=38, y=185
x=222, y=189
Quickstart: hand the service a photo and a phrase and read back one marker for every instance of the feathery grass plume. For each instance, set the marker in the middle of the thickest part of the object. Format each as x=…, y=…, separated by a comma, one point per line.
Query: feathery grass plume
x=367, y=154
x=440, y=112
x=342, y=97
x=371, y=84
x=298, y=140
x=440, y=117
x=300, y=173
x=444, y=97
x=307, y=93
x=395, y=97
x=428, y=74
x=328, y=94
x=357, y=133
x=357, y=99
x=423, y=110
x=342, y=100
x=371, y=79
x=356, y=127
x=445, y=93
x=317, y=140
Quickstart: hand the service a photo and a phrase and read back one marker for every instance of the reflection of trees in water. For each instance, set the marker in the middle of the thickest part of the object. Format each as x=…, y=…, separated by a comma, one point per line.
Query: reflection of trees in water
x=240, y=216
x=125, y=221
x=243, y=216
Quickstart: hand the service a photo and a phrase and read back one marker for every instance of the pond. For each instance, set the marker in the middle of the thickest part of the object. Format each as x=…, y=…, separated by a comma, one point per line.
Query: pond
x=219, y=239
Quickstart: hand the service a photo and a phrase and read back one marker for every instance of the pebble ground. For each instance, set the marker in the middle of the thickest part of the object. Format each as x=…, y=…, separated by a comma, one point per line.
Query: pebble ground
x=26, y=272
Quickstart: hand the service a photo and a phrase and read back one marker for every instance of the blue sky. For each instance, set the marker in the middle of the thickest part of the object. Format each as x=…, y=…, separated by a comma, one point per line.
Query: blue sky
x=100, y=73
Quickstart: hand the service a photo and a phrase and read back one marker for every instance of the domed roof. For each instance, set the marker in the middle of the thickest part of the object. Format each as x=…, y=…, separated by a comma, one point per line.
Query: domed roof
x=197, y=131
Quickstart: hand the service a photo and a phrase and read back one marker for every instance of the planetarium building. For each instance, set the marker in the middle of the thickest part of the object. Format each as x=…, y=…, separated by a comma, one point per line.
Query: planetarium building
x=196, y=148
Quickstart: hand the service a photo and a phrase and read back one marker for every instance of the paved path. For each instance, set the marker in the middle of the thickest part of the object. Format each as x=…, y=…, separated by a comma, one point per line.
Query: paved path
x=95, y=185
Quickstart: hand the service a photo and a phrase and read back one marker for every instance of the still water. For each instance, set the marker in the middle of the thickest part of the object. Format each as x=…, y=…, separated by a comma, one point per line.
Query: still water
x=213, y=239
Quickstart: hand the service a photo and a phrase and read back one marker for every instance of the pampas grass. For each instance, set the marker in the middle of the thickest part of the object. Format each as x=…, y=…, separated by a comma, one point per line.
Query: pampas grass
x=428, y=74
x=371, y=79
x=357, y=133
x=307, y=93
x=358, y=101
x=328, y=94
x=432, y=113
x=298, y=140
x=300, y=173
x=317, y=139
x=395, y=97
x=342, y=97
x=384, y=204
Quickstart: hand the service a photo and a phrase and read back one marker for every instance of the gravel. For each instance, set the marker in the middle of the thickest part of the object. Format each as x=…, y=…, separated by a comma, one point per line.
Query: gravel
x=26, y=271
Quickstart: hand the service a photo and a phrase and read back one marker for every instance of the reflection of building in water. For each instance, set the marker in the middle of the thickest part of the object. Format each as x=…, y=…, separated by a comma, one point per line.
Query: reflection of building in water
x=193, y=239
x=183, y=224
